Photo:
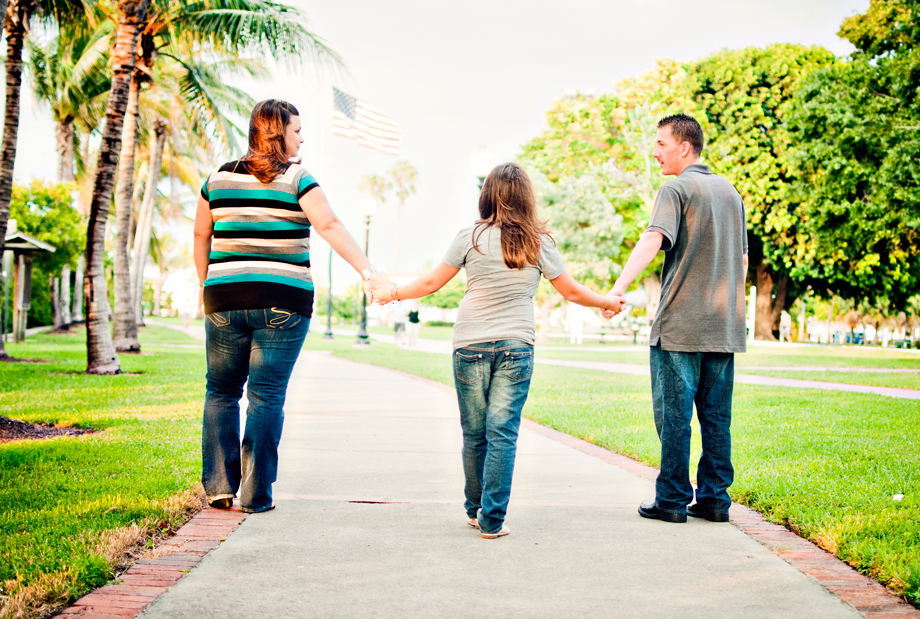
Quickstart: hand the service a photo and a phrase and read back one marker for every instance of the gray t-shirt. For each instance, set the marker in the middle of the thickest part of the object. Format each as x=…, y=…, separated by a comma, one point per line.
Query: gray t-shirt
x=498, y=304
x=702, y=281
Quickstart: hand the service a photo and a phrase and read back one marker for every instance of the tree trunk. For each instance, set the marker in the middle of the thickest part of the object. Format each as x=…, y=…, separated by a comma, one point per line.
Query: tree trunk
x=830, y=321
x=770, y=303
x=57, y=319
x=158, y=292
x=101, y=357
x=65, y=150
x=76, y=310
x=145, y=218
x=396, y=237
x=125, y=327
x=545, y=309
x=802, y=323
x=17, y=20
x=65, y=295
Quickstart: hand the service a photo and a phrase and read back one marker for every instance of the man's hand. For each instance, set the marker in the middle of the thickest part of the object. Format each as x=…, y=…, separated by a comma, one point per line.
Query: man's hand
x=618, y=293
x=376, y=280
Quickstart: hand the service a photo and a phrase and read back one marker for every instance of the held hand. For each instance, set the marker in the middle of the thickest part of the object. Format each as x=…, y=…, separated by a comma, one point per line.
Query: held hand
x=383, y=294
x=375, y=281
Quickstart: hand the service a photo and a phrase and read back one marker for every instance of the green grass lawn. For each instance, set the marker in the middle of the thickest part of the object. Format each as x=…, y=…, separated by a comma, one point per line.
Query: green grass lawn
x=71, y=507
x=792, y=357
x=428, y=333
x=826, y=464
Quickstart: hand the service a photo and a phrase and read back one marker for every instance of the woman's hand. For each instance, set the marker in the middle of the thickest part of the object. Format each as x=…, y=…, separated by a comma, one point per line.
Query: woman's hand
x=616, y=305
x=384, y=294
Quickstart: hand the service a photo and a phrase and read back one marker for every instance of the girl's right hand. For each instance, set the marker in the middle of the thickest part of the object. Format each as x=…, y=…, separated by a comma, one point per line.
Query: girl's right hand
x=383, y=294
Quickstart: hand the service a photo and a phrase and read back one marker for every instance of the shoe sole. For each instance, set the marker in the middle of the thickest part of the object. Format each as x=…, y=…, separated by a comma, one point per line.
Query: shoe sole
x=473, y=523
x=665, y=517
x=504, y=531
x=710, y=516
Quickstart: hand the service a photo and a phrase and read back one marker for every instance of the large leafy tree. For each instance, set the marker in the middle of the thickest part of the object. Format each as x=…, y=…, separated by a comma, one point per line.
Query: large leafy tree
x=858, y=126
x=747, y=96
x=610, y=138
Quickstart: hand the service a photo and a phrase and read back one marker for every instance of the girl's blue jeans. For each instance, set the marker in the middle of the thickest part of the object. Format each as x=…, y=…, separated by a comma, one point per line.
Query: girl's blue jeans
x=492, y=381
x=260, y=346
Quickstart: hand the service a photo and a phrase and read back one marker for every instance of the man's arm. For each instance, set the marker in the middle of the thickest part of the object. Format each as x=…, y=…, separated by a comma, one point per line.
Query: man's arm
x=642, y=255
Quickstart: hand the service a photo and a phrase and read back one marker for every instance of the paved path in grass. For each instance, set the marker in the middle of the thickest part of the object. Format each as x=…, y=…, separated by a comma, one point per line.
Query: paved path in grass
x=444, y=347
x=370, y=523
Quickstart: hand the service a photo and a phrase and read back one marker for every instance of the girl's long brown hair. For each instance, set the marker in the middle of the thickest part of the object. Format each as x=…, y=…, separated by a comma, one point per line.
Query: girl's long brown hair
x=267, y=157
x=507, y=201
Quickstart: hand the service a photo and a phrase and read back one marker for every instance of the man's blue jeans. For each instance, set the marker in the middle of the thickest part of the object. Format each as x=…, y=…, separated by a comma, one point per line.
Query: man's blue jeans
x=261, y=345
x=680, y=379
x=492, y=380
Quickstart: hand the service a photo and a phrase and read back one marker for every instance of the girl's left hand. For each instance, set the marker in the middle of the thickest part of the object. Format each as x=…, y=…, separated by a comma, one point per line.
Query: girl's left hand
x=383, y=294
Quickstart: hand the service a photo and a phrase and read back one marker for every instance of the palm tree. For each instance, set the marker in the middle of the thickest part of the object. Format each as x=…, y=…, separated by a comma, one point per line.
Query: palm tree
x=223, y=26
x=19, y=14
x=403, y=175
x=101, y=357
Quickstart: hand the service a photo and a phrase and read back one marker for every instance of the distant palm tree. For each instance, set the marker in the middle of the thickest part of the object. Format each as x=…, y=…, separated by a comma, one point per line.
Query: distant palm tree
x=69, y=73
x=403, y=175
x=18, y=16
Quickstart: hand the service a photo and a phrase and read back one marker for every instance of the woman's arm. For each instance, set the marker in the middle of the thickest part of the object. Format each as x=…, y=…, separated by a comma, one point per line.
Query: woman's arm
x=423, y=286
x=317, y=209
x=582, y=295
x=204, y=230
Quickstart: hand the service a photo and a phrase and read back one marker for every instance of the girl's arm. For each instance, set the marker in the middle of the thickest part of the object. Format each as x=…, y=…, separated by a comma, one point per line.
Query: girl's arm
x=423, y=286
x=582, y=295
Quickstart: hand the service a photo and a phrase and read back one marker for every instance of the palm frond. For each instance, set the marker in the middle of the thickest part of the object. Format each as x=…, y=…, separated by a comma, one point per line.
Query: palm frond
x=265, y=27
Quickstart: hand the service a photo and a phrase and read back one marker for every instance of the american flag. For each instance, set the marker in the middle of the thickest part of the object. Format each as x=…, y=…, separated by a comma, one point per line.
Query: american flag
x=355, y=119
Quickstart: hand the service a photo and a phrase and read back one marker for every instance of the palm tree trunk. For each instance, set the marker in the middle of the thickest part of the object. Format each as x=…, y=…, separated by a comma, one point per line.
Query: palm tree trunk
x=100, y=353
x=57, y=317
x=145, y=219
x=17, y=19
x=65, y=294
x=65, y=150
x=125, y=327
x=396, y=236
x=76, y=308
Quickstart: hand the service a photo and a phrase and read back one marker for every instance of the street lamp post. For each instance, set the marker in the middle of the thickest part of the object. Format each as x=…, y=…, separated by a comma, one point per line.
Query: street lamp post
x=328, y=334
x=368, y=208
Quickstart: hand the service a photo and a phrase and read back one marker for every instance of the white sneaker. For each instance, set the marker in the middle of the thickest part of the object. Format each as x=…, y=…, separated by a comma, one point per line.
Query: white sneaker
x=473, y=522
x=503, y=532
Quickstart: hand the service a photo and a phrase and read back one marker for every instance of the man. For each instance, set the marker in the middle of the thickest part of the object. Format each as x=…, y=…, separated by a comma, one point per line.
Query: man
x=698, y=220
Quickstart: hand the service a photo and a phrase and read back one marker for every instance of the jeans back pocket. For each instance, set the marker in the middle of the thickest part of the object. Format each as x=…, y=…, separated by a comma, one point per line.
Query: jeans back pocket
x=468, y=367
x=278, y=318
x=219, y=319
x=517, y=364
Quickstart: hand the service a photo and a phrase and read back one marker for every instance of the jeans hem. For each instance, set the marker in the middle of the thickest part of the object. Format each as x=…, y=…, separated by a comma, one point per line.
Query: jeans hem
x=217, y=497
x=258, y=510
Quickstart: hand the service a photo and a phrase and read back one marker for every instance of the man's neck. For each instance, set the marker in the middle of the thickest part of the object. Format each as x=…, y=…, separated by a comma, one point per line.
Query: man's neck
x=688, y=162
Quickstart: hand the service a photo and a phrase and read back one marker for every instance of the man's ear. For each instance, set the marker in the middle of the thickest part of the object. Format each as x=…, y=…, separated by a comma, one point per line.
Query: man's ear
x=685, y=148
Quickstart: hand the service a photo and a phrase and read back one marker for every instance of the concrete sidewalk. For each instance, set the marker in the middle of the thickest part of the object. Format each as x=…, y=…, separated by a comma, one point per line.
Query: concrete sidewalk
x=370, y=523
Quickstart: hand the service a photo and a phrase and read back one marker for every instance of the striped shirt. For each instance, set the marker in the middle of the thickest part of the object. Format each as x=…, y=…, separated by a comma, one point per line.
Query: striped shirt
x=260, y=251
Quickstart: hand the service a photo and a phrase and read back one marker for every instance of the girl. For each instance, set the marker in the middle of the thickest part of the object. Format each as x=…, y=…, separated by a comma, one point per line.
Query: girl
x=504, y=254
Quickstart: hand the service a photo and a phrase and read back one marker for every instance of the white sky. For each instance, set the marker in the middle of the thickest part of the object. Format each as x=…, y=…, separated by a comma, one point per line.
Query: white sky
x=477, y=77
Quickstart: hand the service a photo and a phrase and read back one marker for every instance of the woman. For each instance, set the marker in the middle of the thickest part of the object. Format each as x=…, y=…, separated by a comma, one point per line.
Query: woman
x=504, y=254
x=252, y=253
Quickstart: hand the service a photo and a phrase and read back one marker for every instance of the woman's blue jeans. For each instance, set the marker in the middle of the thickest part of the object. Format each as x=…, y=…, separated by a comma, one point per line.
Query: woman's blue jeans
x=492, y=381
x=261, y=346
x=680, y=380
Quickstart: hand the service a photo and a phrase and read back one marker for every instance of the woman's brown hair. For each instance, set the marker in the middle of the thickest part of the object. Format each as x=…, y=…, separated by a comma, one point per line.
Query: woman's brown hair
x=507, y=201
x=267, y=157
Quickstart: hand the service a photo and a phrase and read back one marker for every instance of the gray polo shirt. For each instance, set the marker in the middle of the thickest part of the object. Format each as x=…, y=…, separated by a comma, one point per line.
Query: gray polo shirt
x=498, y=304
x=701, y=217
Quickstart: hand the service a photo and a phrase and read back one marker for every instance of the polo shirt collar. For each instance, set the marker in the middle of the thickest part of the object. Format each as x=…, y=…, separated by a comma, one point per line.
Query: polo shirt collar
x=702, y=168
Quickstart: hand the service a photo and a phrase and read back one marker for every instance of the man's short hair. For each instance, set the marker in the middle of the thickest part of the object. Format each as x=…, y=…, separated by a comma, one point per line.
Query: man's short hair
x=684, y=128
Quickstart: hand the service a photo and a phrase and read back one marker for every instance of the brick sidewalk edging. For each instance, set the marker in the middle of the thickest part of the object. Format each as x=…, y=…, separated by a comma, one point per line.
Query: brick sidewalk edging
x=869, y=597
x=147, y=579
